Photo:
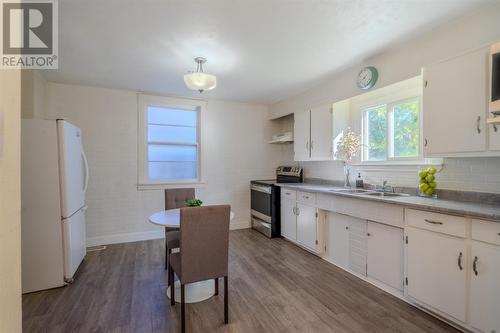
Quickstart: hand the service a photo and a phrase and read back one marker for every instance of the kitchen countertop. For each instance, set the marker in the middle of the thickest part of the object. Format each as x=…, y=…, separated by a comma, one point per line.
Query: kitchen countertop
x=470, y=209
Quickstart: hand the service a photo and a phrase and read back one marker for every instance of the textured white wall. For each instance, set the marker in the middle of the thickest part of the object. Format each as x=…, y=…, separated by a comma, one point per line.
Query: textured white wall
x=236, y=152
x=10, y=201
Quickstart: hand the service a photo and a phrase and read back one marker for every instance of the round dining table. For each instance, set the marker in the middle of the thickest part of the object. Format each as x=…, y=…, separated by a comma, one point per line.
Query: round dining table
x=194, y=292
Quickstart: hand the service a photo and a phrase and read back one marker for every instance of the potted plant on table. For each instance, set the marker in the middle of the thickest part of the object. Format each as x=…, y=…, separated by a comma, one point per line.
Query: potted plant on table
x=194, y=203
x=347, y=148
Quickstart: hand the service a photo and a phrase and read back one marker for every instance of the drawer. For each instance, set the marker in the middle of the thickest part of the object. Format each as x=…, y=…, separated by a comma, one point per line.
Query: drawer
x=288, y=194
x=486, y=231
x=306, y=197
x=446, y=224
x=324, y=201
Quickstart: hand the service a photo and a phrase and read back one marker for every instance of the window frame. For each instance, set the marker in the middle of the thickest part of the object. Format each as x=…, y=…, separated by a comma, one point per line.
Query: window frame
x=146, y=101
x=389, y=153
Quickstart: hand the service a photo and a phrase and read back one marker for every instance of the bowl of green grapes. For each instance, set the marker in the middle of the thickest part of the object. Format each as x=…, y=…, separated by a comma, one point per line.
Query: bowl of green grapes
x=427, y=182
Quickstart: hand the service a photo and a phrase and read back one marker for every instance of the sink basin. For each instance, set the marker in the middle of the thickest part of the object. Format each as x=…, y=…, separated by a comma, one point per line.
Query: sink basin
x=350, y=190
x=386, y=194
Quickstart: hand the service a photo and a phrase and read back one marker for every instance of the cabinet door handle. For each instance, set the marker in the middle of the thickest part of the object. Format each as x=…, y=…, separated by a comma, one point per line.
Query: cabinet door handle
x=298, y=211
x=368, y=234
x=495, y=127
x=433, y=222
x=460, y=261
x=312, y=145
x=474, y=265
x=478, y=125
x=425, y=142
x=307, y=145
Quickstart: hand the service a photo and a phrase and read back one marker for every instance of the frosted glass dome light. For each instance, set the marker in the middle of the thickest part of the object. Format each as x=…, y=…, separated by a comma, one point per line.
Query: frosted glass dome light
x=199, y=80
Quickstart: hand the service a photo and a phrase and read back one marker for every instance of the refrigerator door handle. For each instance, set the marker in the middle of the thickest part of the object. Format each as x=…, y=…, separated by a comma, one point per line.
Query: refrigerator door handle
x=86, y=172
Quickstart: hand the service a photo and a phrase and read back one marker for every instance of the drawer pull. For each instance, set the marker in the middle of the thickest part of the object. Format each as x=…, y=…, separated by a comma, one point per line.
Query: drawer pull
x=474, y=266
x=305, y=196
x=433, y=222
x=460, y=261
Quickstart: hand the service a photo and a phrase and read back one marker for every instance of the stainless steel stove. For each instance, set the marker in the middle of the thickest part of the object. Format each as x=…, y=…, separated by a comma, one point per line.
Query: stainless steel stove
x=265, y=200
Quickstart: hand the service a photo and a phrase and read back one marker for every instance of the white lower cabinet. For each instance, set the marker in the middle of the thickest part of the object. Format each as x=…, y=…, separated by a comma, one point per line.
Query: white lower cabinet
x=385, y=254
x=337, y=240
x=346, y=242
x=288, y=219
x=300, y=223
x=307, y=231
x=437, y=271
x=485, y=287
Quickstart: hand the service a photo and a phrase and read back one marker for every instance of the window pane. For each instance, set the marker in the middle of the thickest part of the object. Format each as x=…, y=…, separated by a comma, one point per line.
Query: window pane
x=171, y=153
x=163, y=133
x=157, y=115
x=376, y=130
x=406, y=129
x=172, y=170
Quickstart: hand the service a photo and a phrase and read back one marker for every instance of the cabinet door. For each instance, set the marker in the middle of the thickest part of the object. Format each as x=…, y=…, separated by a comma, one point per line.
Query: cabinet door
x=301, y=136
x=357, y=245
x=436, y=271
x=485, y=291
x=341, y=120
x=307, y=226
x=288, y=219
x=385, y=254
x=337, y=242
x=321, y=133
x=455, y=104
x=494, y=137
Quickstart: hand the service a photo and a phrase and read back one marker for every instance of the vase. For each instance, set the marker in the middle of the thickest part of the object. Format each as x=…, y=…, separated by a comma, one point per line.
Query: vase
x=347, y=173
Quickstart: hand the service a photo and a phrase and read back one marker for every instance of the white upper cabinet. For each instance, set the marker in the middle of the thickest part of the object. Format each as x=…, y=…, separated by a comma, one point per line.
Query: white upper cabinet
x=302, y=136
x=317, y=130
x=321, y=133
x=455, y=105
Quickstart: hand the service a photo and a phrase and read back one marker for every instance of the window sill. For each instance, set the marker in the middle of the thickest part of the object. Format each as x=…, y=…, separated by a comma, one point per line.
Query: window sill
x=163, y=186
x=418, y=162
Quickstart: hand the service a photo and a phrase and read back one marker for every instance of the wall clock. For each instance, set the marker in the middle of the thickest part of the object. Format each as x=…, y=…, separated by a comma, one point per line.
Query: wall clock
x=367, y=78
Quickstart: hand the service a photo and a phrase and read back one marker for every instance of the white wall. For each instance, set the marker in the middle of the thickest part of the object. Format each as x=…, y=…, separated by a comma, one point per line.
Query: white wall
x=404, y=60
x=401, y=62
x=10, y=201
x=236, y=152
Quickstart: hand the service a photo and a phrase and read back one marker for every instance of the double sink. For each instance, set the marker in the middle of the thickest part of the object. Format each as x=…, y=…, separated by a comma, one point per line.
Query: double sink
x=363, y=192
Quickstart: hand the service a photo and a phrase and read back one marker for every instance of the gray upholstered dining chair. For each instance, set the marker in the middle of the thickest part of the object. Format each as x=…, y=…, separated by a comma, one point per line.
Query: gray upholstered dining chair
x=175, y=198
x=204, y=248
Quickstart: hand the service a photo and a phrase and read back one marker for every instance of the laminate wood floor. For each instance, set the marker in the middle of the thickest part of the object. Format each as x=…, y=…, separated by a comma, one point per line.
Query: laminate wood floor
x=274, y=286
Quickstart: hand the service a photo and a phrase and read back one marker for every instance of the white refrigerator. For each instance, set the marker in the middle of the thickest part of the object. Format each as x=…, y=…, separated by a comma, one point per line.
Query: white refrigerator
x=54, y=179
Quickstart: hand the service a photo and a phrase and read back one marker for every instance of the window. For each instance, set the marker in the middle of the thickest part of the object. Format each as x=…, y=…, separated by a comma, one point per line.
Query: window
x=170, y=135
x=392, y=131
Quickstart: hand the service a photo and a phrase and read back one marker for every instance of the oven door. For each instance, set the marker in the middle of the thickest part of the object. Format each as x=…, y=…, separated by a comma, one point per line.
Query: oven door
x=261, y=202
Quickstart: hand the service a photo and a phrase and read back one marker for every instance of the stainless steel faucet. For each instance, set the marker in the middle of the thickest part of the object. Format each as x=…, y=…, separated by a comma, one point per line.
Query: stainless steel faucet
x=384, y=187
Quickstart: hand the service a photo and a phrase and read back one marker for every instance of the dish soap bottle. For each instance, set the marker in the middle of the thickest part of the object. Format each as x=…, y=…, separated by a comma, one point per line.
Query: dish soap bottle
x=359, y=181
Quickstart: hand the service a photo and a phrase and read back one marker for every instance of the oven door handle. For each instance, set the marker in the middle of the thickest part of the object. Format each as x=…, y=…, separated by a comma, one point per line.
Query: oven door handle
x=263, y=189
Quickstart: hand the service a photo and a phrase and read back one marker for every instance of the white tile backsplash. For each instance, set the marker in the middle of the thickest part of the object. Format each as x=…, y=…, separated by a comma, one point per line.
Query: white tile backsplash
x=478, y=174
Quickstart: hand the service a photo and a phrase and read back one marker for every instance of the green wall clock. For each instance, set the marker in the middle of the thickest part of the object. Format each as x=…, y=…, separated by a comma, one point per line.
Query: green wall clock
x=367, y=78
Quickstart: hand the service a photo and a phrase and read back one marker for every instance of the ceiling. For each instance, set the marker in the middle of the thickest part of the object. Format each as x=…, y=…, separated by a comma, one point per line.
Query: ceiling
x=262, y=51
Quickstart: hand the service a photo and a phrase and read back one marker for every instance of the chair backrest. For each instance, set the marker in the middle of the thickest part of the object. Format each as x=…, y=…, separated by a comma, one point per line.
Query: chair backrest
x=176, y=197
x=204, y=242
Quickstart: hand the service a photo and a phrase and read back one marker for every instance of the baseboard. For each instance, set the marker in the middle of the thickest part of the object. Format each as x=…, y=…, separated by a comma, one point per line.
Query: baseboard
x=147, y=235
x=125, y=237
x=241, y=224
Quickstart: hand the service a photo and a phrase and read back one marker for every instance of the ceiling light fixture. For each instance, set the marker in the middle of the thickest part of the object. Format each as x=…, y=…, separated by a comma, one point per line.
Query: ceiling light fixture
x=199, y=80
